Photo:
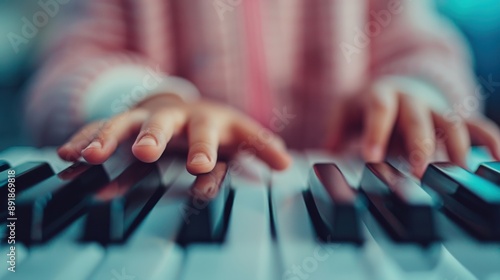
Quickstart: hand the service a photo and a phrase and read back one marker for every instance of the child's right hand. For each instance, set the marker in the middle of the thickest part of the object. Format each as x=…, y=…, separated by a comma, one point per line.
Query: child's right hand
x=209, y=127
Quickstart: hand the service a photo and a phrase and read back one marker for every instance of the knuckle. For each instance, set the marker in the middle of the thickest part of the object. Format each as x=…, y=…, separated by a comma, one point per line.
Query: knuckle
x=153, y=129
x=105, y=128
x=200, y=120
x=100, y=138
x=203, y=146
x=170, y=111
x=203, y=120
x=88, y=132
x=453, y=125
x=175, y=116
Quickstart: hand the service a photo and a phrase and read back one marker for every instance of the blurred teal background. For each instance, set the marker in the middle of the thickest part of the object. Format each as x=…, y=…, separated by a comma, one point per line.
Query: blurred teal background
x=478, y=20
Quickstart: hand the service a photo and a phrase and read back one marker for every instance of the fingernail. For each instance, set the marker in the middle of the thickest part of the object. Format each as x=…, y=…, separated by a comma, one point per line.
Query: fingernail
x=93, y=145
x=147, y=141
x=200, y=158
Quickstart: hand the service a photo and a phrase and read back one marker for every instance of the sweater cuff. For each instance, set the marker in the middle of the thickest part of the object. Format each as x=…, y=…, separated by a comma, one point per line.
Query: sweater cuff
x=120, y=88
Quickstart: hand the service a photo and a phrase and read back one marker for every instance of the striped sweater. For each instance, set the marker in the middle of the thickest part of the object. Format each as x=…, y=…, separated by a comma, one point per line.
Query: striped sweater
x=283, y=62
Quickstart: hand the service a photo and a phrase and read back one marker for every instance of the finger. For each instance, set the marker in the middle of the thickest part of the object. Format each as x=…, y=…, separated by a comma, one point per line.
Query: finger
x=267, y=146
x=207, y=186
x=455, y=137
x=203, y=138
x=484, y=132
x=156, y=133
x=72, y=149
x=380, y=116
x=416, y=125
x=336, y=126
x=111, y=134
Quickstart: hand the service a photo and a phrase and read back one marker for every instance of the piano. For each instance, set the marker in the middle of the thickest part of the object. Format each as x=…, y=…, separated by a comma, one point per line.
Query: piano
x=326, y=217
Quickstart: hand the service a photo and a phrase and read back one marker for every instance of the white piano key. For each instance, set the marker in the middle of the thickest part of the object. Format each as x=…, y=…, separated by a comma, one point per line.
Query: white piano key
x=81, y=259
x=152, y=244
x=300, y=250
x=20, y=254
x=247, y=251
x=414, y=261
x=61, y=258
x=493, y=276
x=150, y=258
x=18, y=155
x=61, y=261
x=393, y=259
x=480, y=258
x=151, y=251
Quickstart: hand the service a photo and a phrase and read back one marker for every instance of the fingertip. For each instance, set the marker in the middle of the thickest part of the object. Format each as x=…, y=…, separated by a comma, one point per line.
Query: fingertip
x=373, y=153
x=146, y=153
x=463, y=164
x=496, y=154
x=495, y=151
x=68, y=153
x=419, y=170
x=459, y=158
x=199, y=169
x=93, y=153
x=461, y=161
x=93, y=156
x=284, y=163
x=276, y=155
x=199, y=163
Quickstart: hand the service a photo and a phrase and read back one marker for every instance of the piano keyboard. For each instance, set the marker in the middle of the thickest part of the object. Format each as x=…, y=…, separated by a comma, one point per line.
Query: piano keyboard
x=326, y=217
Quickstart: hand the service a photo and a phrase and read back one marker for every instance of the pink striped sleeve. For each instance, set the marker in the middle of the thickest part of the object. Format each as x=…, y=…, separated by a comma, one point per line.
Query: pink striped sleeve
x=98, y=39
x=409, y=38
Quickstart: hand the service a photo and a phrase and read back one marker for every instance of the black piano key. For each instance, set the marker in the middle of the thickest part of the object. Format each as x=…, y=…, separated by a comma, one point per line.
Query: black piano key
x=22, y=177
x=470, y=200
x=400, y=204
x=490, y=171
x=48, y=207
x=26, y=175
x=206, y=216
x=4, y=165
x=334, y=206
x=119, y=207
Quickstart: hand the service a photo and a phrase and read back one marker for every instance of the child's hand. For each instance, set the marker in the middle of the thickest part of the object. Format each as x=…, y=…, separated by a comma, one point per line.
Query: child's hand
x=155, y=121
x=386, y=111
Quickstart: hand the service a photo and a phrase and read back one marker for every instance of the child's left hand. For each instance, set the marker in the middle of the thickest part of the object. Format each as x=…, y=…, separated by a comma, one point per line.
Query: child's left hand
x=386, y=109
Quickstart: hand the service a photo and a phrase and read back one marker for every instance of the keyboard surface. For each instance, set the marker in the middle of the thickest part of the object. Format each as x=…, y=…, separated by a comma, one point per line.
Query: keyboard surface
x=338, y=219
